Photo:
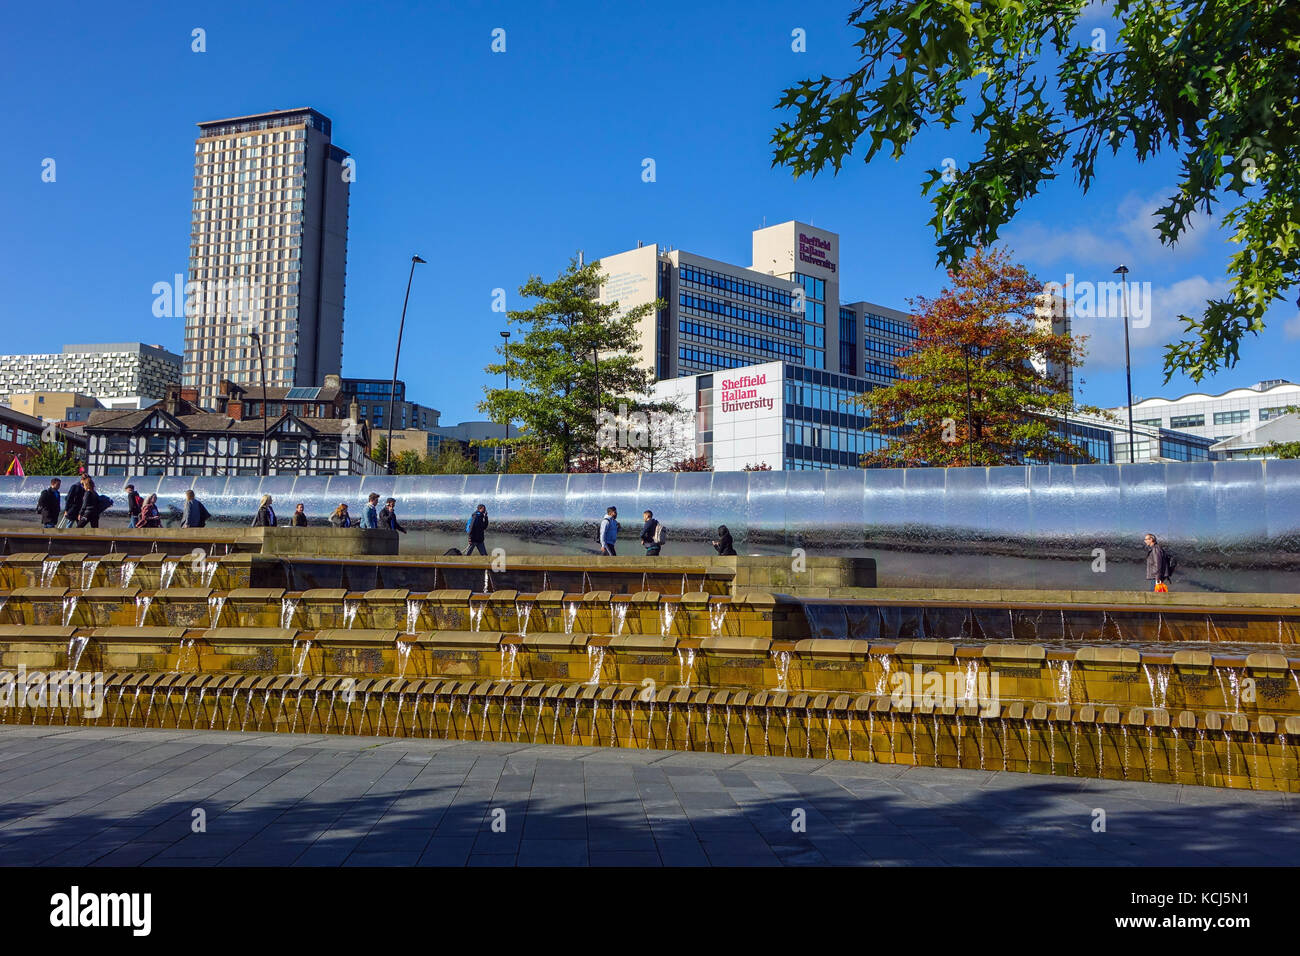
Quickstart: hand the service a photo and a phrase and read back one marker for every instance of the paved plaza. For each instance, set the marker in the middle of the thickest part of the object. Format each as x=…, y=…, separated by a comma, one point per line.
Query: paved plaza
x=112, y=797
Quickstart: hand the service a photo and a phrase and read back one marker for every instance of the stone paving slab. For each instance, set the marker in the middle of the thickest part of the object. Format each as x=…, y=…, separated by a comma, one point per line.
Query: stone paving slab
x=119, y=797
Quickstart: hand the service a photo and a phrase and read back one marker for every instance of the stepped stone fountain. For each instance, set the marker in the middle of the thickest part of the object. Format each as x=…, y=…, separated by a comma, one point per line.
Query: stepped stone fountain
x=1196, y=689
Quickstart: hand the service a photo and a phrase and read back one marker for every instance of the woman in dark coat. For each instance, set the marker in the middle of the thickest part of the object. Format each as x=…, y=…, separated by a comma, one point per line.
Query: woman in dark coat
x=265, y=517
x=91, y=506
x=723, y=544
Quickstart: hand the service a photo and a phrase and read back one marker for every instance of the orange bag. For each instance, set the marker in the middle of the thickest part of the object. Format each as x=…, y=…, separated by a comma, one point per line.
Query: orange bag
x=1161, y=588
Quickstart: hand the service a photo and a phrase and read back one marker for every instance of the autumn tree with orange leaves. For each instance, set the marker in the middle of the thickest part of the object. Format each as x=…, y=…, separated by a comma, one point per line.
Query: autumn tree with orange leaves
x=981, y=330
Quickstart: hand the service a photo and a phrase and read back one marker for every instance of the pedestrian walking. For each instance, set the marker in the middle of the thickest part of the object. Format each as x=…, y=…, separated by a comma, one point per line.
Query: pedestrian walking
x=652, y=533
x=72, y=503
x=1157, y=564
x=133, y=505
x=265, y=517
x=149, y=514
x=340, y=518
x=388, y=517
x=93, y=504
x=193, y=513
x=476, y=530
x=370, y=515
x=299, y=519
x=47, y=505
x=723, y=545
x=609, y=532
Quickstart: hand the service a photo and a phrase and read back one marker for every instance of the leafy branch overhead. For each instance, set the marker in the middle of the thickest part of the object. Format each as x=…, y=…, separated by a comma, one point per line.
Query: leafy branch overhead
x=1214, y=84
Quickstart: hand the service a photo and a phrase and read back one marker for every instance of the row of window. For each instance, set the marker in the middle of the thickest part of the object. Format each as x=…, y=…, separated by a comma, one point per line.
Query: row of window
x=890, y=326
x=158, y=445
x=836, y=439
x=768, y=320
x=697, y=360
x=707, y=279
x=740, y=340
x=814, y=288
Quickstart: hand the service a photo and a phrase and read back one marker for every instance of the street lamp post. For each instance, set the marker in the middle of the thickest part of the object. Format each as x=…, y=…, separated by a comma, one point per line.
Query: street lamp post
x=970, y=423
x=392, y=393
x=1122, y=272
x=261, y=361
x=595, y=358
x=505, y=350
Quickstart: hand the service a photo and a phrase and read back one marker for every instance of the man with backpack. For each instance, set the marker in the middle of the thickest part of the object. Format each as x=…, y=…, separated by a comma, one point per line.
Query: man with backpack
x=1160, y=564
x=133, y=505
x=652, y=533
x=475, y=528
x=47, y=506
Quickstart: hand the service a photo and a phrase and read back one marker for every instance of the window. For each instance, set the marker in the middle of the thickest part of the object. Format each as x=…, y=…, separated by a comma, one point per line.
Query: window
x=250, y=446
x=328, y=449
x=196, y=446
x=1187, y=421
x=119, y=443
x=1153, y=422
x=1233, y=417
x=1275, y=412
x=157, y=445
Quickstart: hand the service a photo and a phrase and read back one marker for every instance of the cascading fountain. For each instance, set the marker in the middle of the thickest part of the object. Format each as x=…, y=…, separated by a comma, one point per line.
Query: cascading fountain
x=215, y=605
x=403, y=656
x=288, y=608
x=88, y=569
x=126, y=572
x=49, y=568
x=168, y=572
x=69, y=609
x=570, y=616
x=617, y=616
x=142, y=602
x=667, y=612
x=782, y=659
x=509, y=654
x=523, y=612
x=208, y=572
x=350, y=609
x=596, y=657
x=686, y=665
x=413, y=608
x=717, y=618
x=76, y=647
x=475, y=615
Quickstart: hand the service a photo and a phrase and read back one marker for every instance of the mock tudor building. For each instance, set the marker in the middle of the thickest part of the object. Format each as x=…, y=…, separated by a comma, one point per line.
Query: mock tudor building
x=178, y=437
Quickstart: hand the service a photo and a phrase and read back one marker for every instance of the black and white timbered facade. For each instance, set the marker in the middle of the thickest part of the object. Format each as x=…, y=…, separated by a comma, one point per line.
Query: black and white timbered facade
x=156, y=441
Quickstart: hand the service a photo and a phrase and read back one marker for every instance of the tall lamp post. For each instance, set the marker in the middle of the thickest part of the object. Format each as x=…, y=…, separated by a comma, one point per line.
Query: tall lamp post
x=505, y=350
x=392, y=392
x=261, y=361
x=1122, y=272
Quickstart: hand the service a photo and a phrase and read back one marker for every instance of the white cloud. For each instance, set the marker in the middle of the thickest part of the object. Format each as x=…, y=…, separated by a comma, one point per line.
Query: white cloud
x=1153, y=312
x=1127, y=236
x=1291, y=327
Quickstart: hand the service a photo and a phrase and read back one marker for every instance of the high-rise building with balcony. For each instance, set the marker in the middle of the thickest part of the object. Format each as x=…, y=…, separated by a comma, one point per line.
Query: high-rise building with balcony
x=268, y=252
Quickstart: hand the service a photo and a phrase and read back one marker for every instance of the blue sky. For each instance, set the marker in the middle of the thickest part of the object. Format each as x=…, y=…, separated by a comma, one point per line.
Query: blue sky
x=495, y=166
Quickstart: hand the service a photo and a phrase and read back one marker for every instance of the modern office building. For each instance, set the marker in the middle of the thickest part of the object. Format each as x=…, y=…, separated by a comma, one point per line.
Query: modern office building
x=100, y=371
x=794, y=418
x=1254, y=442
x=1217, y=417
x=373, y=395
x=178, y=437
x=268, y=252
x=785, y=306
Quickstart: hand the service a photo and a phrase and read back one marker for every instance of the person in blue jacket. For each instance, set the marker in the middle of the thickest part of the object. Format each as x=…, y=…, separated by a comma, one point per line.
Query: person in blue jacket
x=370, y=515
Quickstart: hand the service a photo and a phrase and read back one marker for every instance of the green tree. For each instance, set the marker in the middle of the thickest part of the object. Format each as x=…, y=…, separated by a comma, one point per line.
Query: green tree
x=982, y=330
x=380, y=452
x=1283, y=449
x=572, y=363
x=450, y=460
x=1215, y=84
x=530, y=460
x=408, y=462
x=50, y=458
